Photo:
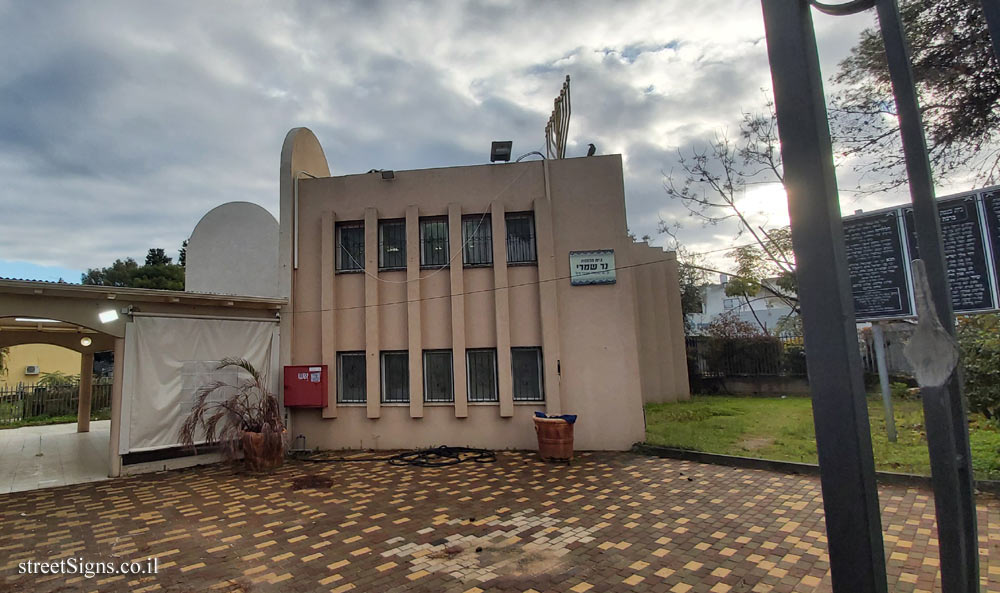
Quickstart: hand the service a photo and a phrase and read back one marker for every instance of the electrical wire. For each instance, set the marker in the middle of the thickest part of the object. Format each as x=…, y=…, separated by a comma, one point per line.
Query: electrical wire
x=484, y=290
x=434, y=457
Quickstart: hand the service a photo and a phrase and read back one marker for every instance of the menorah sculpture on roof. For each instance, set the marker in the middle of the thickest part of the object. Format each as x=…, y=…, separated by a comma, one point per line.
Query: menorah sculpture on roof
x=557, y=129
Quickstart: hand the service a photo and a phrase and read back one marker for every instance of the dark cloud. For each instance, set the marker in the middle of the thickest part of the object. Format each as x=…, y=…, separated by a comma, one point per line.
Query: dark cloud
x=122, y=123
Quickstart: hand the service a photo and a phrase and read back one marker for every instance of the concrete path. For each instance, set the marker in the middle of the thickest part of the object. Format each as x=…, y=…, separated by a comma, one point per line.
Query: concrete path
x=55, y=455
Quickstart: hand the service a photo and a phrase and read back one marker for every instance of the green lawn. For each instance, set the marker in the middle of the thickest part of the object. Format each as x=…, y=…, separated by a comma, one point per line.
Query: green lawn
x=776, y=428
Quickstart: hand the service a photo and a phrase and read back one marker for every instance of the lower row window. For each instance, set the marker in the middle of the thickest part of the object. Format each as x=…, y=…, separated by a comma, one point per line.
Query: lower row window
x=438, y=383
x=481, y=371
x=395, y=377
x=351, y=379
x=526, y=365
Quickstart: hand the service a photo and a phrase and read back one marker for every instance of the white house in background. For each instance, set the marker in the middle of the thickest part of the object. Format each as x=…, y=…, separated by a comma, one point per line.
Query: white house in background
x=764, y=309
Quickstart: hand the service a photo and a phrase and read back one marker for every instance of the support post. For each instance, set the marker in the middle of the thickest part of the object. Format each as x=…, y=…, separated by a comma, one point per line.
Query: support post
x=878, y=336
x=117, y=389
x=840, y=411
x=991, y=10
x=945, y=417
x=86, y=392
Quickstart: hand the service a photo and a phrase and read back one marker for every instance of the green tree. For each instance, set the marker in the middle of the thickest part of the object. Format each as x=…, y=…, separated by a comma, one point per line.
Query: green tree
x=979, y=342
x=162, y=277
x=711, y=185
x=693, y=278
x=766, y=268
x=958, y=83
x=158, y=272
x=157, y=257
x=119, y=273
x=56, y=378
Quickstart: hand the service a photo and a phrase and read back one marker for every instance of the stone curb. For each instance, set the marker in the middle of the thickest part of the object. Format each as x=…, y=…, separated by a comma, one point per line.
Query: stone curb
x=791, y=467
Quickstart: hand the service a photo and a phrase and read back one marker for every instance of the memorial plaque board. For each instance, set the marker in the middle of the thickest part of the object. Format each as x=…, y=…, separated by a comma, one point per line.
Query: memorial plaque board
x=877, y=266
x=991, y=204
x=964, y=250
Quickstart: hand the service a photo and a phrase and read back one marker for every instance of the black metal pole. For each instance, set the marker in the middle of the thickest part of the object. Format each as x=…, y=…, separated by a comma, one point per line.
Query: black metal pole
x=945, y=417
x=840, y=410
x=991, y=10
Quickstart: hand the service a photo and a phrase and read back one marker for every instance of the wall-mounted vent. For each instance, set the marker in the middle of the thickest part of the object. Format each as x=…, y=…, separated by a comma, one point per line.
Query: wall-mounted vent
x=32, y=369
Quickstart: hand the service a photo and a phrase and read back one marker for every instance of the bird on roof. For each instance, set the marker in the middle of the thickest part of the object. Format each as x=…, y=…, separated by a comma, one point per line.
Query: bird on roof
x=591, y=150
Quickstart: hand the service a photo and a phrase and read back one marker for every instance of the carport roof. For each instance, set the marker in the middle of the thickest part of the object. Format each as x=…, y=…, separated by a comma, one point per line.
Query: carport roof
x=63, y=289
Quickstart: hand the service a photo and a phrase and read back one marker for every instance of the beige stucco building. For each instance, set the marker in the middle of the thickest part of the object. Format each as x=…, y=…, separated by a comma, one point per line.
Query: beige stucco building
x=444, y=304
x=448, y=305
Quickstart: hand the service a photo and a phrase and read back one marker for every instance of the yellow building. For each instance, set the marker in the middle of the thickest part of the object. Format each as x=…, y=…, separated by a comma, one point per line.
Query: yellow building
x=26, y=363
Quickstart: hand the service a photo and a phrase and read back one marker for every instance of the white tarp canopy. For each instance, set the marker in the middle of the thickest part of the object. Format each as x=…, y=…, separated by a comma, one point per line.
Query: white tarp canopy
x=167, y=359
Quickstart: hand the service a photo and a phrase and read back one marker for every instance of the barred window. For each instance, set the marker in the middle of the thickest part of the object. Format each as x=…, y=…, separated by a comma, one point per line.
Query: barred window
x=521, y=238
x=477, y=235
x=395, y=377
x=438, y=377
x=434, y=242
x=482, y=372
x=351, y=378
x=392, y=244
x=350, y=246
x=526, y=366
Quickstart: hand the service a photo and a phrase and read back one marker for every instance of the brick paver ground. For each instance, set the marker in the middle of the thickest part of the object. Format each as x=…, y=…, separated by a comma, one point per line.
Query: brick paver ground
x=609, y=522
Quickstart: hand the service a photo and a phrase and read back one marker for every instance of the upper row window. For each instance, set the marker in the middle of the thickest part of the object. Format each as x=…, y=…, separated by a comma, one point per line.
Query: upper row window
x=350, y=246
x=391, y=244
x=521, y=238
x=435, y=249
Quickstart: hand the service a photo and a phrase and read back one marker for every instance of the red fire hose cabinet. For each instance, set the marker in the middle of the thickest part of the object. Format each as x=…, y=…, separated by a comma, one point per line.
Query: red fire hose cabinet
x=306, y=386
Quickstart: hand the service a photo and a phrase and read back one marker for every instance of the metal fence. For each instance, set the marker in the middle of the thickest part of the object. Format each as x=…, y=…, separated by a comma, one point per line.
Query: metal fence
x=780, y=355
x=753, y=356
x=37, y=402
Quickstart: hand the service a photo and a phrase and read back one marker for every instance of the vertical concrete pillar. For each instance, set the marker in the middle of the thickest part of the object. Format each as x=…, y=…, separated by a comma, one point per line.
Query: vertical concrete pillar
x=118, y=382
x=86, y=392
x=649, y=293
x=663, y=372
x=414, y=337
x=502, y=308
x=547, y=295
x=675, y=320
x=457, y=271
x=328, y=335
x=372, y=313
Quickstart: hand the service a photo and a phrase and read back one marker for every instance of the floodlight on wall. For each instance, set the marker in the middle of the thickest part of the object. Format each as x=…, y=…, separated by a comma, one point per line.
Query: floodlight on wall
x=85, y=341
x=108, y=316
x=500, y=151
x=388, y=175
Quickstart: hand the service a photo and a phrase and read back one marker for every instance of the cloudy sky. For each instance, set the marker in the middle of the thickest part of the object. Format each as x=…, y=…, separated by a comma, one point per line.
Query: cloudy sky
x=122, y=123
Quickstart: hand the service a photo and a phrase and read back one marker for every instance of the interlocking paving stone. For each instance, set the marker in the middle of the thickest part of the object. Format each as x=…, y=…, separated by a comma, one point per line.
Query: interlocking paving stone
x=608, y=522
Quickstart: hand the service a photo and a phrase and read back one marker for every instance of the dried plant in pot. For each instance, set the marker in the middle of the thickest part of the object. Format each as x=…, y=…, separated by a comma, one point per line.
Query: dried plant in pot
x=240, y=416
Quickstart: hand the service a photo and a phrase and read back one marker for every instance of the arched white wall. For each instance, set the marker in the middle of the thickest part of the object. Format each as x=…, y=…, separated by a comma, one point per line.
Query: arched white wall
x=234, y=250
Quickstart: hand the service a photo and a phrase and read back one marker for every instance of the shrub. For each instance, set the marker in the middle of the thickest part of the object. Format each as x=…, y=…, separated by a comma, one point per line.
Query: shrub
x=979, y=342
x=899, y=390
x=793, y=360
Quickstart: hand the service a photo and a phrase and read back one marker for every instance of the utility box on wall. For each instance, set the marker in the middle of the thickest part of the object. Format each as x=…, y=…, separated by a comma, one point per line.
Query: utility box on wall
x=305, y=386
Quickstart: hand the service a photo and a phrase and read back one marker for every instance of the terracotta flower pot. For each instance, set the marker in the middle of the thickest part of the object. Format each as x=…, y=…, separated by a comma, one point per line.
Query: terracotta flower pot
x=555, y=439
x=262, y=451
